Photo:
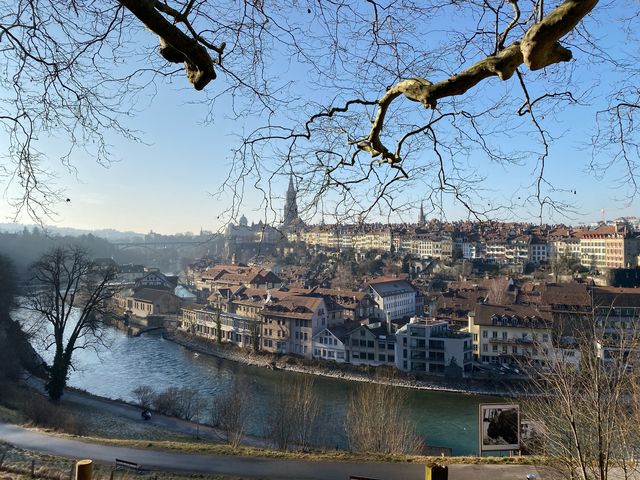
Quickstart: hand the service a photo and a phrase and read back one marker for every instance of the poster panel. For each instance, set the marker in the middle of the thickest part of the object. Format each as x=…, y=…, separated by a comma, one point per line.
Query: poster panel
x=499, y=427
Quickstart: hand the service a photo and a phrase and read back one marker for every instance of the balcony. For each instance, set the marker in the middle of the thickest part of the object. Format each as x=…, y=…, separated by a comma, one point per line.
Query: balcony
x=511, y=341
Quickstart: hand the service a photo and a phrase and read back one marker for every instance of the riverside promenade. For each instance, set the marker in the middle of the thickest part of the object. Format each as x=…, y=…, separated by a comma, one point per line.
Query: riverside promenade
x=252, y=467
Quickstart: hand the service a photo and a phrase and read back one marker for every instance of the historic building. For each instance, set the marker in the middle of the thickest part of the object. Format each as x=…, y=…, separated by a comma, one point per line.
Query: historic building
x=290, y=217
x=422, y=220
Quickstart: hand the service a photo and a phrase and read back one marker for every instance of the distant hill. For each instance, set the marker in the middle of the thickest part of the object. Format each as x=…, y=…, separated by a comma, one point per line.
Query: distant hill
x=106, y=233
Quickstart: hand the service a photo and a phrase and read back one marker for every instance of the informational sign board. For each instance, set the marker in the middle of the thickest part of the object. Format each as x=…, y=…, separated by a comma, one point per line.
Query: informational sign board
x=499, y=427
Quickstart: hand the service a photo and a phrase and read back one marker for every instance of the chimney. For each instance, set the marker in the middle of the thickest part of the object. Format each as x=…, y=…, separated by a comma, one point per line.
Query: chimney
x=388, y=323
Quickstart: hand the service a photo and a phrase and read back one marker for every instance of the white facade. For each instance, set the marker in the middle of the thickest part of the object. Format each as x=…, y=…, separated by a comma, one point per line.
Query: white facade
x=394, y=300
x=429, y=346
x=327, y=346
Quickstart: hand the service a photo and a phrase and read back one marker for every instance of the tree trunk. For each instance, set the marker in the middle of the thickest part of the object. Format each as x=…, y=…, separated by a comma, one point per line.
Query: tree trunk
x=58, y=374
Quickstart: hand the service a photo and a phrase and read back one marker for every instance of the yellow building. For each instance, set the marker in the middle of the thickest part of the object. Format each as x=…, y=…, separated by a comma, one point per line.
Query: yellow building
x=513, y=334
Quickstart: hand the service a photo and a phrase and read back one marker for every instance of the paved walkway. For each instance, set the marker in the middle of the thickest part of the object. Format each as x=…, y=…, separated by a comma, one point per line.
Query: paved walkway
x=264, y=468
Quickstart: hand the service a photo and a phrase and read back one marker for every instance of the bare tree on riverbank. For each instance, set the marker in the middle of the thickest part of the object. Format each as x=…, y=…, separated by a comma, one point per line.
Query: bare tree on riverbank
x=145, y=396
x=293, y=414
x=587, y=420
x=229, y=412
x=376, y=422
x=71, y=291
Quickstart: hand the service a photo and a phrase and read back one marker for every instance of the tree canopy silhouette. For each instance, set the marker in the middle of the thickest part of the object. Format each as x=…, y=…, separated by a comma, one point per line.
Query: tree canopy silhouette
x=329, y=81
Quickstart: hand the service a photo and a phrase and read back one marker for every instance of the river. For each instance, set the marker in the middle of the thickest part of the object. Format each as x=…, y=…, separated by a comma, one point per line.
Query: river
x=443, y=419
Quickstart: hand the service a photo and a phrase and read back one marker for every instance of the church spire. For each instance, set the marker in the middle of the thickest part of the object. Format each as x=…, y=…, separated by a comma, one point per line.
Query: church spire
x=422, y=221
x=291, y=204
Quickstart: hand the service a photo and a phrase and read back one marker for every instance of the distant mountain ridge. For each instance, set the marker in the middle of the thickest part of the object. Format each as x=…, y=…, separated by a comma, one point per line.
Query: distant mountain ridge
x=106, y=233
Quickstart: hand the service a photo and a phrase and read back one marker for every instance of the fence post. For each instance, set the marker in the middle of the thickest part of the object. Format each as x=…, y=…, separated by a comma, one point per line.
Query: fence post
x=436, y=472
x=33, y=469
x=84, y=469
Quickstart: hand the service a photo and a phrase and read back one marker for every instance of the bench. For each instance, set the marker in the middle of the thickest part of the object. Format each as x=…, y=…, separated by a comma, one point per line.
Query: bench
x=125, y=464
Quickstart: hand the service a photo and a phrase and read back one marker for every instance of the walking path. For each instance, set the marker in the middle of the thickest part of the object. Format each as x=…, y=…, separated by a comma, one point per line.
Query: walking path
x=264, y=468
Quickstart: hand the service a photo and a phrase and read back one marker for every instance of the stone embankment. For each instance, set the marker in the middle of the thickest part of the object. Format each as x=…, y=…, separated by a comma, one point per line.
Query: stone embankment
x=493, y=387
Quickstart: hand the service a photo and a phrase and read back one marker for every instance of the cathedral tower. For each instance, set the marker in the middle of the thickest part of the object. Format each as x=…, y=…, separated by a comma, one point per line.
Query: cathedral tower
x=291, y=205
x=422, y=221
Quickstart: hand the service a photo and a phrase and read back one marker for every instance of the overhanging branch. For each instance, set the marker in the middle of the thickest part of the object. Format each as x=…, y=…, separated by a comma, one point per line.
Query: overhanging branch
x=175, y=45
x=538, y=48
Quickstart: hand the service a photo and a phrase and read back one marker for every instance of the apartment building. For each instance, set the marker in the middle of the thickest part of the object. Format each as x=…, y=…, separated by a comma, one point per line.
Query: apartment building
x=204, y=321
x=371, y=344
x=429, y=346
x=394, y=298
x=229, y=276
x=538, y=250
x=342, y=303
x=425, y=246
x=510, y=334
x=609, y=246
x=288, y=325
x=145, y=302
x=330, y=343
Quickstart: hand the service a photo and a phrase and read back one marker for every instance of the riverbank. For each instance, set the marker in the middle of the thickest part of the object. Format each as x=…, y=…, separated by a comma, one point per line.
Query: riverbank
x=490, y=387
x=117, y=423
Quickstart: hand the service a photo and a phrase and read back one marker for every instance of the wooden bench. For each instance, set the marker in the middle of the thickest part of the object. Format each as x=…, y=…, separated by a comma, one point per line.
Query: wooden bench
x=125, y=464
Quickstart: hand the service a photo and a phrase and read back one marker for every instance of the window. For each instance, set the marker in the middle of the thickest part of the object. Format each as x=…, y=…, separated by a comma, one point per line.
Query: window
x=370, y=356
x=362, y=333
x=382, y=358
x=485, y=334
x=514, y=350
x=494, y=334
x=370, y=344
x=494, y=348
x=504, y=335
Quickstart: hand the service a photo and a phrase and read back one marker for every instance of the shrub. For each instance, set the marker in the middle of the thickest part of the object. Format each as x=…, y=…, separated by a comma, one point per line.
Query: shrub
x=166, y=402
x=178, y=402
x=43, y=413
x=145, y=396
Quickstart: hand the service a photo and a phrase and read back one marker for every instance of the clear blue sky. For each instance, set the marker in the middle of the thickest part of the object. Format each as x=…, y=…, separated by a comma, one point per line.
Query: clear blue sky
x=165, y=184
